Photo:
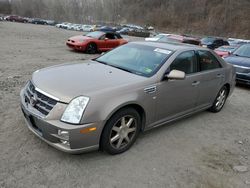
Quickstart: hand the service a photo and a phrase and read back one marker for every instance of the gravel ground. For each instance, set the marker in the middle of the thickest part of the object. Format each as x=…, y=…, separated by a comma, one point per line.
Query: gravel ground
x=203, y=151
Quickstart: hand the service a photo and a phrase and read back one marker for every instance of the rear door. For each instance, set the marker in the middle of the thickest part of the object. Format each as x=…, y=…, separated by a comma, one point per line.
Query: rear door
x=211, y=75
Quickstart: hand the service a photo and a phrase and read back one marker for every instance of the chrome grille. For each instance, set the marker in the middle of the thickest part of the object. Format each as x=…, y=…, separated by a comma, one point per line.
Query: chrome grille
x=38, y=100
x=241, y=69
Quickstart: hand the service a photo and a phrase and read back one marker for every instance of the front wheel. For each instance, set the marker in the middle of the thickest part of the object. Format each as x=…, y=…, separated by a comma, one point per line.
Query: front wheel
x=220, y=100
x=121, y=131
x=91, y=48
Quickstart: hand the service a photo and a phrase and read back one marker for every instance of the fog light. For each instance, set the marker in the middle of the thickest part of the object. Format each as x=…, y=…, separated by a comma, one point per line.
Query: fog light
x=64, y=142
x=64, y=135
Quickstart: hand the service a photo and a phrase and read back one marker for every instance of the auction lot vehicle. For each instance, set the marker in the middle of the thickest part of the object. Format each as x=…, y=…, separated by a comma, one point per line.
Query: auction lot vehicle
x=157, y=37
x=96, y=41
x=213, y=42
x=240, y=59
x=105, y=102
x=225, y=51
x=14, y=18
x=181, y=39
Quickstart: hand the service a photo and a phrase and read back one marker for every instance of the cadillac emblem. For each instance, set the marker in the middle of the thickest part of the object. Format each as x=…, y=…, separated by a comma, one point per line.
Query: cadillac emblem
x=33, y=100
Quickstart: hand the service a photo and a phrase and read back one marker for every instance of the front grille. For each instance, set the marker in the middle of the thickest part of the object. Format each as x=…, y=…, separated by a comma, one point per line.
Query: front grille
x=242, y=69
x=37, y=100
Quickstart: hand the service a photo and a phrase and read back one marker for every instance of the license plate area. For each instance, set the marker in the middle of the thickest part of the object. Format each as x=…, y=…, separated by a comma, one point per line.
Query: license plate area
x=33, y=124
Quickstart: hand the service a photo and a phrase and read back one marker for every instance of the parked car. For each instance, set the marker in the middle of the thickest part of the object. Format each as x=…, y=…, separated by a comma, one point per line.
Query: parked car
x=124, y=31
x=240, y=59
x=63, y=25
x=107, y=29
x=234, y=41
x=39, y=21
x=96, y=41
x=51, y=22
x=213, y=42
x=106, y=102
x=87, y=28
x=225, y=51
x=157, y=37
x=14, y=18
x=1, y=18
x=179, y=39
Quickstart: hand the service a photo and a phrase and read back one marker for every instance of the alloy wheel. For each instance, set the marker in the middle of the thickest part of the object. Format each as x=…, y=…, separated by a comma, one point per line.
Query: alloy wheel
x=220, y=101
x=123, y=132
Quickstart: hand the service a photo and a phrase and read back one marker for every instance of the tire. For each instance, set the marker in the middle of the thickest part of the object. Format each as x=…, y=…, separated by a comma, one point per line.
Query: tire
x=91, y=48
x=121, y=131
x=220, y=100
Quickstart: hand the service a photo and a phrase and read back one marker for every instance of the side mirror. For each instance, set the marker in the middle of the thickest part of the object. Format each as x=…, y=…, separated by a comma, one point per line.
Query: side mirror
x=106, y=39
x=175, y=75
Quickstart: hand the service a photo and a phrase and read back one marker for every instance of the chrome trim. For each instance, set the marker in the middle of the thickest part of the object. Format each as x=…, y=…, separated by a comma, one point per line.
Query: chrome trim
x=150, y=89
x=243, y=67
x=48, y=95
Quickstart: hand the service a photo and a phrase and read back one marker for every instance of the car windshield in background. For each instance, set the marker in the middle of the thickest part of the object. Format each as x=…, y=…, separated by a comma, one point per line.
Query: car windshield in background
x=207, y=40
x=243, y=51
x=96, y=34
x=138, y=59
x=226, y=49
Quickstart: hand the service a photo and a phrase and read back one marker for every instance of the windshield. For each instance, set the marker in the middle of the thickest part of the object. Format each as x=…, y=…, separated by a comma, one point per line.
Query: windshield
x=96, y=34
x=135, y=58
x=226, y=48
x=159, y=36
x=207, y=40
x=243, y=51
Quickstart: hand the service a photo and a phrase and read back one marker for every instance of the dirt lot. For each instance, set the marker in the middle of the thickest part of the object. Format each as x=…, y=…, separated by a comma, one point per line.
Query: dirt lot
x=197, y=152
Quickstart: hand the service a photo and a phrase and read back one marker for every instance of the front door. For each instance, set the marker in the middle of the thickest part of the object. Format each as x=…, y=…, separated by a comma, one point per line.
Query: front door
x=178, y=97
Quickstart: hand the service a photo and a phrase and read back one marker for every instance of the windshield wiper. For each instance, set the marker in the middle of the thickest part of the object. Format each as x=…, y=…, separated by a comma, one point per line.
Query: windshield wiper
x=121, y=68
x=102, y=62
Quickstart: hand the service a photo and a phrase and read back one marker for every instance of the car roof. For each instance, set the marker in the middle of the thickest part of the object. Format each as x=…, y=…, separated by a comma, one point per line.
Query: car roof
x=174, y=46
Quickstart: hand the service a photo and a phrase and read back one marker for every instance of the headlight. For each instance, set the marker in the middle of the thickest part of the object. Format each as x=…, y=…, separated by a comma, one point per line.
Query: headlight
x=74, y=110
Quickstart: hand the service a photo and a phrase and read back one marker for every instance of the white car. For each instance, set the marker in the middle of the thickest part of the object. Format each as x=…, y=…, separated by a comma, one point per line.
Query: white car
x=63, y=25
x=87, y=28
x=157, y=37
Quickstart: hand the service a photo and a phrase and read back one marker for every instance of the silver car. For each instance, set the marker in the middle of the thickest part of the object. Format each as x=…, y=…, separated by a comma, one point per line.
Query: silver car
x=106, y=102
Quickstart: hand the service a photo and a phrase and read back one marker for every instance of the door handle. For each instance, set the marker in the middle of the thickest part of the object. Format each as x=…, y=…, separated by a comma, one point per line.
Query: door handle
x=195, y=83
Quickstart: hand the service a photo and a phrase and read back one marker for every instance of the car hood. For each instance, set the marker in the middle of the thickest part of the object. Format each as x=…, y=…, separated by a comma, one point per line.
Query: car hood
x=80, y=38
x=238, y=60
x=68, y=81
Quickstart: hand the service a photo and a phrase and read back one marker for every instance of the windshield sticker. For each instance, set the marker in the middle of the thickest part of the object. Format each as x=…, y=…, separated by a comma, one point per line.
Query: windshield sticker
x=163, y=51
x=148, y=70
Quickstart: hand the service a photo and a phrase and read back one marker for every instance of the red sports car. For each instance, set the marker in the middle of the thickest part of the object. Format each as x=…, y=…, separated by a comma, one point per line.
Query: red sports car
x=96, y=42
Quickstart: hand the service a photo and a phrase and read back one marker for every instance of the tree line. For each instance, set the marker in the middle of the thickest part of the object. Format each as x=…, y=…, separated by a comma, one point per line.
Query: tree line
x=209, y=17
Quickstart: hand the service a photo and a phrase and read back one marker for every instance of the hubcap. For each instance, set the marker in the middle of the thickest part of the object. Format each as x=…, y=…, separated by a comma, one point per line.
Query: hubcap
x=123, y=132
x=221, y=99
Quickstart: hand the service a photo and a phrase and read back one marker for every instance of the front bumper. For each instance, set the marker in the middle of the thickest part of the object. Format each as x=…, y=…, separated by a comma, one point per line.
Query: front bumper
x=76, y=46
x=46, y=128
x=243, y=78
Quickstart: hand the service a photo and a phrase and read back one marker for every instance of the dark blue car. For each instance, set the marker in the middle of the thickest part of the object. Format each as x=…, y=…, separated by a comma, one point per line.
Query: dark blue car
x=107, y=29
x=241, y=61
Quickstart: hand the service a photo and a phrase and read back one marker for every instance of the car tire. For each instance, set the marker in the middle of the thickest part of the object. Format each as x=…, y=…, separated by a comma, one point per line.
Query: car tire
x=220, y=100
x=91, y=48
x=121, y=131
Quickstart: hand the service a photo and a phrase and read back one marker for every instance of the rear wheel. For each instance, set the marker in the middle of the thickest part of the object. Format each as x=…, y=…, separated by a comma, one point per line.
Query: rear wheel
x=121, y=131
x=220, y=100
x=91, y=48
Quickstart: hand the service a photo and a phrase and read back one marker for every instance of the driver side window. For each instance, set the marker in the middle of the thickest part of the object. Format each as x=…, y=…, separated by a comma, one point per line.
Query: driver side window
x=185, y=62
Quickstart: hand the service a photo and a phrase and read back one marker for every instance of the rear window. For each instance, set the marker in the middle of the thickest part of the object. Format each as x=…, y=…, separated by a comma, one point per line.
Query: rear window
x=207, y=61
